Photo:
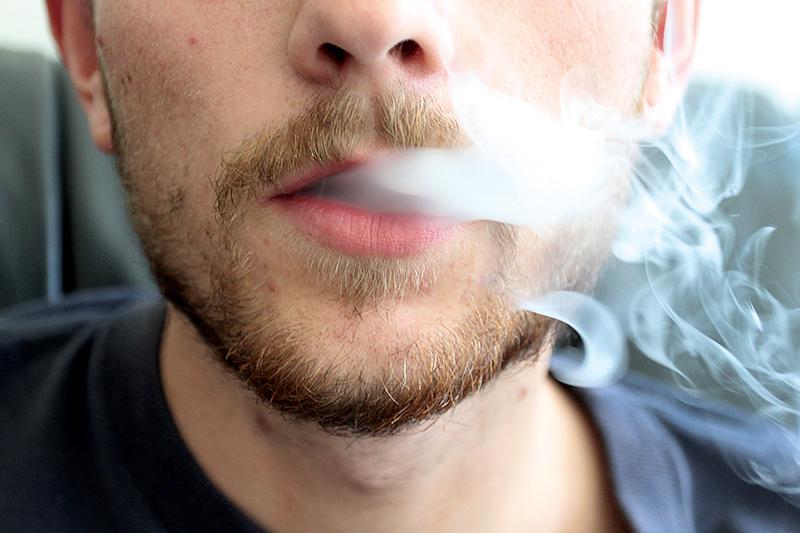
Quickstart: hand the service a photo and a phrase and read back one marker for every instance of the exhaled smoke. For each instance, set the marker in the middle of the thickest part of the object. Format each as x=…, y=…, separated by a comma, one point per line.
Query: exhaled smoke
x=705, y=311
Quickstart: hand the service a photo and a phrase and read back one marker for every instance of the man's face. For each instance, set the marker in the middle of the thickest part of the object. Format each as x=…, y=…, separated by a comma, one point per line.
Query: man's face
x=349, y=319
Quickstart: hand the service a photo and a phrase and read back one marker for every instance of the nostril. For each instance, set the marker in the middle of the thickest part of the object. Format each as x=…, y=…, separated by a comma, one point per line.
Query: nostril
x=336, y=54
x=408, y=51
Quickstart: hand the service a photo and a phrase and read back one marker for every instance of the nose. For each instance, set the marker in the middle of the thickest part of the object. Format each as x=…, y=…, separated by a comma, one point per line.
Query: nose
x=404, y=39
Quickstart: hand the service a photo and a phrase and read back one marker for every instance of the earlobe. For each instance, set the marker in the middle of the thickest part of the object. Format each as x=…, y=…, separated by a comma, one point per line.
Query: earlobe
x=661, y=94
x=98, y=113
x=73, y=30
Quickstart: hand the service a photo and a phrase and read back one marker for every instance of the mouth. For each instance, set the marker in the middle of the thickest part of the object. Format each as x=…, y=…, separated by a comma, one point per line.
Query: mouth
x=313, y=179
x=338, y=215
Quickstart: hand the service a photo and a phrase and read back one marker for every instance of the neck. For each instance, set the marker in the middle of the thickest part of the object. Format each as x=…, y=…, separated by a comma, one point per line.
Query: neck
x=518, y=456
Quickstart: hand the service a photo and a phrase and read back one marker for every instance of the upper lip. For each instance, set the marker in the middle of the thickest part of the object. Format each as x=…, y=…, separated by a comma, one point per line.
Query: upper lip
x=317, y=173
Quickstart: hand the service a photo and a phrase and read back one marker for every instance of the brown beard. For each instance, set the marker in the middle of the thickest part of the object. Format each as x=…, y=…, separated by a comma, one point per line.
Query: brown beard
x=427, y=377
x=274, y=357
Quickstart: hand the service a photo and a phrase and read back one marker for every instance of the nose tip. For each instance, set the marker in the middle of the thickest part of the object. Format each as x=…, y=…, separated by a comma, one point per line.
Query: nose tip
x=334, y=39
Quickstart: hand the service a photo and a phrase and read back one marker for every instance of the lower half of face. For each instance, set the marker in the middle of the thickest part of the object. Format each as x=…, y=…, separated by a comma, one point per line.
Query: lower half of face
x=356, y=321
x=331, y=333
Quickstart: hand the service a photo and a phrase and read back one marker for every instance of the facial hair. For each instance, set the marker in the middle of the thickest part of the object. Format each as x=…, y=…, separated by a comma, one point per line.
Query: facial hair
x=274, y=356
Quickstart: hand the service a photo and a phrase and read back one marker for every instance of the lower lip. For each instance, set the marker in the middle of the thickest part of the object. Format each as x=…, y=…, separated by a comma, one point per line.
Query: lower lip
x=360, y=232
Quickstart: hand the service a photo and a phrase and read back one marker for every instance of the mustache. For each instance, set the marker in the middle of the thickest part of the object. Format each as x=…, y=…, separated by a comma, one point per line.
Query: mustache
x=329, y=132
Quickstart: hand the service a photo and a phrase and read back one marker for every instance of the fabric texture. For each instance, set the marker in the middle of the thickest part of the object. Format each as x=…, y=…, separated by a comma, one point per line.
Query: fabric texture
x=88, y=443
x=63, y=225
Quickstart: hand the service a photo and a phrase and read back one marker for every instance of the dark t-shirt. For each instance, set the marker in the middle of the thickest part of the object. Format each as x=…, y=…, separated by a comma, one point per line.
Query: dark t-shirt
x=87, y=442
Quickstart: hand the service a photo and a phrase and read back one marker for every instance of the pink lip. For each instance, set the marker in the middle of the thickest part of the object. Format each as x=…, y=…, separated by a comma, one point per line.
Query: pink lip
x=355, y=230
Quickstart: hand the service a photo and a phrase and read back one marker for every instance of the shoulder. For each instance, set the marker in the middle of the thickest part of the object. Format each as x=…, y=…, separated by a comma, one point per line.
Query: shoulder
x=45, y=348
x=706, y=427
x=51, y=408
x=719, y=467
x=34, y=329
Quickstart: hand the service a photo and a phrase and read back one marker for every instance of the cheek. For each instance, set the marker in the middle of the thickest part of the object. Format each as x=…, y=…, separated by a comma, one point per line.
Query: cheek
x=184, y=91
x=220, y=64
x=149, y=87
x=541, y=47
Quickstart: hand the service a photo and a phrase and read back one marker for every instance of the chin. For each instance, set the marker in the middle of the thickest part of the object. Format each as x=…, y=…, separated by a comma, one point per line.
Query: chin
x=371, y=364
x=381, y=372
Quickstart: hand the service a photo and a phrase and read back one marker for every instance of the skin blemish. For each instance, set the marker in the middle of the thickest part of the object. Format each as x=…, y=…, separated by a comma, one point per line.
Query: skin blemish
x=193, y=40
x=264, y=425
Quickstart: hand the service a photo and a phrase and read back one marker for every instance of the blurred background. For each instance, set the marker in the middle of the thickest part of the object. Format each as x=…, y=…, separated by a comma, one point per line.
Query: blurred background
x=747, y=40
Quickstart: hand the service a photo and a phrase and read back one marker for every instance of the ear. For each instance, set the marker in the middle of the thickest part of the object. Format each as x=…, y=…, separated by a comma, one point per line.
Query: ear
x=73, y=29
x=672, y=59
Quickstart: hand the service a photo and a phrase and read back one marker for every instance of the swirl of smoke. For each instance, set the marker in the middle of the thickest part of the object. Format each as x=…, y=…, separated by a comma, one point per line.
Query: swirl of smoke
x=706, y=311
